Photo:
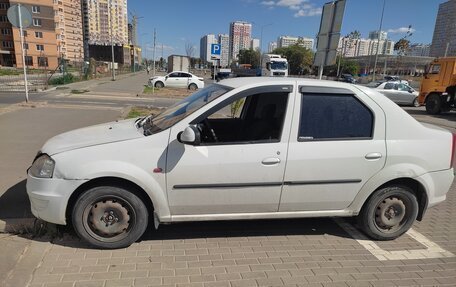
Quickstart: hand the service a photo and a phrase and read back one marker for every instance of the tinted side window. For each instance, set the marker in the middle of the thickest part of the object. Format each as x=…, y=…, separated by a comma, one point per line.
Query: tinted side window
x=184, y=75
x=389, y=86
x=332, y=116
x=174, y=75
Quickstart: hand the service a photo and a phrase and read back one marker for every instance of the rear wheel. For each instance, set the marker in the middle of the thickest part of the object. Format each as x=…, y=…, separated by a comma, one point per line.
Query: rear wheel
x=192, y=87
x=433, y=104
x=159, y=85
x=109, y=217
x=389, y=213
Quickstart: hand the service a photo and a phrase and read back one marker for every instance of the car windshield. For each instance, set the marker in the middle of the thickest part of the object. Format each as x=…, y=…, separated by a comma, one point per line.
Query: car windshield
x=279, y=65
x=183, y=108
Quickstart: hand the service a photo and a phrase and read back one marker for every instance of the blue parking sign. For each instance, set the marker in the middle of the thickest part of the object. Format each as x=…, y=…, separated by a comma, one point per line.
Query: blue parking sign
x=215, y=49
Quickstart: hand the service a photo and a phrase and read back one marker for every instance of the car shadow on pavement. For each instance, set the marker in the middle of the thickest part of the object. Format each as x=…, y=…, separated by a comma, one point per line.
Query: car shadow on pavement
x=14, y=203
x=311, y=228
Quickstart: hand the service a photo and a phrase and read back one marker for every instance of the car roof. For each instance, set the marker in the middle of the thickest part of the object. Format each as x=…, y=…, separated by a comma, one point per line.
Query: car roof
x=243, y=81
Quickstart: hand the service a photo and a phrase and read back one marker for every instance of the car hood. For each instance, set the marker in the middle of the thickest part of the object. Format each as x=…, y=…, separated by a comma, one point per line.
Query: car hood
x=91, y=136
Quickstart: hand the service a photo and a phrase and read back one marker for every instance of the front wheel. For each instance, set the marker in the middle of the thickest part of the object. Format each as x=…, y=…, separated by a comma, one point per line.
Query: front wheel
x=109, y=217
x=159, y=85
x=416, y=103
x=434, y=104
x=389, y=213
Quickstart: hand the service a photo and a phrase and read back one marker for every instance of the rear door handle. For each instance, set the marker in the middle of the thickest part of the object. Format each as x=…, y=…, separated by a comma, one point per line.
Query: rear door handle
x=373, y=155
x=270, y=161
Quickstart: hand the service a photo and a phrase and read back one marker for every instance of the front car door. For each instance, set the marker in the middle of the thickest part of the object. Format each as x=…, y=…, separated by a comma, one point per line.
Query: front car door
x=405, y=95
x=240, y=163
x=337, y=143
x=174, y=80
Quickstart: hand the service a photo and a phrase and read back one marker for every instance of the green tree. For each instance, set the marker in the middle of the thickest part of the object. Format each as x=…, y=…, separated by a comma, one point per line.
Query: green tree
x=249, y=56
x=299, y=58
x=403, y=45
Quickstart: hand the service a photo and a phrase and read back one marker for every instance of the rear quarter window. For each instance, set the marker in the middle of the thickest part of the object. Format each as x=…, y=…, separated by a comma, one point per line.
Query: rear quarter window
x=334, y=117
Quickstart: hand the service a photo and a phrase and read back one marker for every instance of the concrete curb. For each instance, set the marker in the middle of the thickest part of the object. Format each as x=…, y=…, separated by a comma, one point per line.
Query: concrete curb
x=17, y=225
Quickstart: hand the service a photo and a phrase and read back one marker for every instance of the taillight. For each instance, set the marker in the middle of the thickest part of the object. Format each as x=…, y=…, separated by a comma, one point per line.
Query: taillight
x=453, y=151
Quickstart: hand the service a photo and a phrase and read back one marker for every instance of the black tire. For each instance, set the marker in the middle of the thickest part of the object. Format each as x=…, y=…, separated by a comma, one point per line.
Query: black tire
x=416, y=103
x=109, y=217
x=192, y=87
x=388, y=213
x=433, y=104
x=159, y=85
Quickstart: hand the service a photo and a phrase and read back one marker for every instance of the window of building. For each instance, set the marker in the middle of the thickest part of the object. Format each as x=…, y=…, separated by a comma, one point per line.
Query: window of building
x=7, y=44
x=36, y=22
x=24, y=33
x=3, y=18
x=42, y=61
x=4, y=6
x=435, y=69
x=28, y=60
x=39, y=34
x=6, y=31
x=36, y=9
x=334, y=117
x=26, y=46
x=40, y=47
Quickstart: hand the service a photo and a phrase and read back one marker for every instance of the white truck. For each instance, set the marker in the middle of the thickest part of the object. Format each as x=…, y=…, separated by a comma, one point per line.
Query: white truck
x=274, y=66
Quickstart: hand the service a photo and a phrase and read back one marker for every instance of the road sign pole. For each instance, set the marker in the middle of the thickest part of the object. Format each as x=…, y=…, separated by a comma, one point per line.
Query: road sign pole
x=23, y=55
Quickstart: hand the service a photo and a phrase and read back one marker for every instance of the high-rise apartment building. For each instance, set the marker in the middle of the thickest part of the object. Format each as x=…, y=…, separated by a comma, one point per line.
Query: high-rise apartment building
x=100, y=18
x=272, y=46
x=240, y=37
x=444, y=38
x=224, y=41
x=205, y=47
x=68, y=28
x=255, y=44
x=286, y=41
x=373, y=35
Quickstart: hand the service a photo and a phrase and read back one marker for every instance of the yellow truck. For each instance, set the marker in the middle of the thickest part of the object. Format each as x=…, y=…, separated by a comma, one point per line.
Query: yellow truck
x=438, y=88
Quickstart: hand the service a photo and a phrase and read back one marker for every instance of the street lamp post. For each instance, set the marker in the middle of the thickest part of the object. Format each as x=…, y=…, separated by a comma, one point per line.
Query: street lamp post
x=378, y=41
x=261, y=44
x=112, y=43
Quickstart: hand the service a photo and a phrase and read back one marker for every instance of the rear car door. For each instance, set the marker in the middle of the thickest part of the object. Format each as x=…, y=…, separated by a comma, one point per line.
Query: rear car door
x=337, y=143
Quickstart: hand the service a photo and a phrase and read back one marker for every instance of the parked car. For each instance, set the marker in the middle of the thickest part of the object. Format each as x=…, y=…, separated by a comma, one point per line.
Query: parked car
x=246, y=148
x=399, y=93
x=395, y=79
x=177, y=79
x=347, y=78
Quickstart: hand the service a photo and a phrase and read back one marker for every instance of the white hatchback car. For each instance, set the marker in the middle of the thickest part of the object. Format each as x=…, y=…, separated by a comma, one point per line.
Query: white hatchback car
x=246, y=148
x=400, y=93
x=178, y=79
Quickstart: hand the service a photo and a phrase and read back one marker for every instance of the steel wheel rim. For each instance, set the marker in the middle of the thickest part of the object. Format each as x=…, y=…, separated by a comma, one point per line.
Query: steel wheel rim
x=392, y=213
x=109, y=218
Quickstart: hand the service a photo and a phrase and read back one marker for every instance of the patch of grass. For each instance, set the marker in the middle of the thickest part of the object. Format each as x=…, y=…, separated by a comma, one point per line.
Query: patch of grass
x=148, y=90
x=79, y=91
x=136, y=112
x=9, y=72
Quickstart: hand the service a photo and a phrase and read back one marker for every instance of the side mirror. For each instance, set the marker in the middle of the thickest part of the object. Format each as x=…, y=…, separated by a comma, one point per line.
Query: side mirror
x=191, y=136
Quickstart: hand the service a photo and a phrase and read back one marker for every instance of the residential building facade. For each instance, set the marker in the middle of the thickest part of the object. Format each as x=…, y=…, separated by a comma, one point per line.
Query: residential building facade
x=40, y=38
x=272, y=46
x=205, y=47
x=255, y=44
x=240, y=37
x=68, y=27
x=286, y=41
x=7, y=56
x=373, y=35
x=364, y=47
x=444, y=38
x=419, y=50
x=224, y=41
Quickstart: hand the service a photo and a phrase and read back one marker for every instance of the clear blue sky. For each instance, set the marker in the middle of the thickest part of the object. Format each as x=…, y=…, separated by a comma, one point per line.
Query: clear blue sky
x=179, y=22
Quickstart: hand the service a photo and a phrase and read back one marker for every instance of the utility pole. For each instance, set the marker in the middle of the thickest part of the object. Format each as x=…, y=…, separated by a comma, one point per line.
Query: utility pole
x=112, y=42
x=261, y=45
x=21, y=31
x=378, y=41
x=153, y=60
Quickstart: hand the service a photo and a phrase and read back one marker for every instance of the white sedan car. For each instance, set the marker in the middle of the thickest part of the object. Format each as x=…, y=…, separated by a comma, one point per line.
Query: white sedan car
x=178, y=79
x=246, y=148
x=400, y=93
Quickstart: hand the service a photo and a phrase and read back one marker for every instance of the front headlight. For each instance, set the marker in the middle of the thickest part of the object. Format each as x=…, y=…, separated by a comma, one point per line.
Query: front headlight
x=42, y=167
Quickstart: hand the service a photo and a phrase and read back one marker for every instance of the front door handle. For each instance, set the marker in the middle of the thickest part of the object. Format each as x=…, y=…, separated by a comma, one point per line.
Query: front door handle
x=373, y=155
x=271, y=161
